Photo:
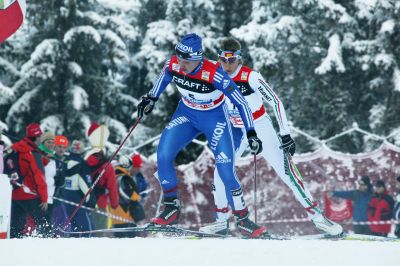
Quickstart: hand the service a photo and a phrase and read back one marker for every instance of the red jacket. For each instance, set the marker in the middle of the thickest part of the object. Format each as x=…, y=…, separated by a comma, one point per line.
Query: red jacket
x=380, y=209
x=31, y=167
x=107, y=187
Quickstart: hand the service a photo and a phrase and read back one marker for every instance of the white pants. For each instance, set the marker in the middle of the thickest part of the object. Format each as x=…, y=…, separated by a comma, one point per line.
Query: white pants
x=281, y=163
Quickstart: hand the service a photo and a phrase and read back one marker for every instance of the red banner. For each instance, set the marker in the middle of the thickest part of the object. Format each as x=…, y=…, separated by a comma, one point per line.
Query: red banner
x=339, y=210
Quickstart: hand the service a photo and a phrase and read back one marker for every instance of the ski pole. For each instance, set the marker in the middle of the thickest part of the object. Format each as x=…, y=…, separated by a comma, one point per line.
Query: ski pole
x=255, y=188
x=101, y=173
x=110, y=215
x=116, y=217
x=159, y=203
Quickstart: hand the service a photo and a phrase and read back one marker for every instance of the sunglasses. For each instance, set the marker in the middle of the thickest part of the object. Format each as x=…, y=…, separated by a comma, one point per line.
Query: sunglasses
x=184, y=55
x=229, y=56
x=229, y=60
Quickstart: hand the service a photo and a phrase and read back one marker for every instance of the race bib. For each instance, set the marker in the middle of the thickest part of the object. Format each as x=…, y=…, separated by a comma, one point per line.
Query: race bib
x=235, y=118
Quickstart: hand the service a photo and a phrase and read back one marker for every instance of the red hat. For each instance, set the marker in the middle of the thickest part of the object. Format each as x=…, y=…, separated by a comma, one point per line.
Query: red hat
x=33, y=130
x=137, y=161
x=61, y=141
x=98, y=135
x=92, y=128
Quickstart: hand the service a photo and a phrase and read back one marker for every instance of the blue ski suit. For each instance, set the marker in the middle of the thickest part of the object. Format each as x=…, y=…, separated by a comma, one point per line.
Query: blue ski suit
x=202, y=109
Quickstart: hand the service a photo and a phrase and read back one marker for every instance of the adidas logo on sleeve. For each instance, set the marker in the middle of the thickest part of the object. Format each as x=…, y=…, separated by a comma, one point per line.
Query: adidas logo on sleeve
x=222, y=158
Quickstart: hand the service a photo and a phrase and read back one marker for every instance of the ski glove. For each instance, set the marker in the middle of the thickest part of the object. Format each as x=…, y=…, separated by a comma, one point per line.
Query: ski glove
x=254, y=142
x=288, y=145
x=146, y=105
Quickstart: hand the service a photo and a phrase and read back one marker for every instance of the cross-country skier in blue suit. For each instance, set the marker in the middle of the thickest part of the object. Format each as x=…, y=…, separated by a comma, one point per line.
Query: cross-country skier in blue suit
x=203, y=86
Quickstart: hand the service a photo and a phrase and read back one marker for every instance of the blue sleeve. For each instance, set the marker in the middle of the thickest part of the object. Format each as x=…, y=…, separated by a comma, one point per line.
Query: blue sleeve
x=224, y=83
x=141, y=182
x=162, y=81
x=343, y=194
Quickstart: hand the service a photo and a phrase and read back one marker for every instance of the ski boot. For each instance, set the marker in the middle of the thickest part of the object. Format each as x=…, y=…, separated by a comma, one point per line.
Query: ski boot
x=247, y=227
x=219, y=227
x=170, y=214
x=324, y=224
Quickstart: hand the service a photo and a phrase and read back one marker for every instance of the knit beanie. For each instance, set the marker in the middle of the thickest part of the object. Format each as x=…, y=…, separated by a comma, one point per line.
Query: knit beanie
x=47, y=136
x=61, y=141
x=33, y=130
x=366, y=181
x=137, y=160
x=190, y=47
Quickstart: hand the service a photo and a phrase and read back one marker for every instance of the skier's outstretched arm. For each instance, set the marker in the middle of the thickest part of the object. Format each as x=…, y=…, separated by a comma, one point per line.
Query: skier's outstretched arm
x=349, y=194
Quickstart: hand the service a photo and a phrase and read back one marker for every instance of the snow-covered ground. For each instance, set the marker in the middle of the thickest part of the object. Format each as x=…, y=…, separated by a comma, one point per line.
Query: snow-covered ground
x=204, y=252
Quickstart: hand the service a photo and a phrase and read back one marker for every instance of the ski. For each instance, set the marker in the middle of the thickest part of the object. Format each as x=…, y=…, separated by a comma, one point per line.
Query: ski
x=370, y=238
x=323, y=236
x=151, y=228
x=347, y=236
x=170, y=230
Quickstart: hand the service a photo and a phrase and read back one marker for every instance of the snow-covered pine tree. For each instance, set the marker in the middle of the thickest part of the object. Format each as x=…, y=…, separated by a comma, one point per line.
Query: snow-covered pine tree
x=72, y=76
x=332, y=62
x=231, y=14
x=313, y=51
x=377, y=57
x=8, y=75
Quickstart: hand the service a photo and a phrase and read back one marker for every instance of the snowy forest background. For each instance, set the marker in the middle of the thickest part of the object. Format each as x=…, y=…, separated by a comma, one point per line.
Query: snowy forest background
x=332, y=62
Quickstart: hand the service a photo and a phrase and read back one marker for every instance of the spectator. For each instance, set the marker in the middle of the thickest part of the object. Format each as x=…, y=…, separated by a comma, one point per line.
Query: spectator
x=47, y=147
x=380, y=209
x=31, y=197
x=106, y=190
x=397, y=208
x=77, y=184
x=59, y=215
x=360, y=198
x=129, y=199
x=135, y=171
x=61, y=146
x=47, y=144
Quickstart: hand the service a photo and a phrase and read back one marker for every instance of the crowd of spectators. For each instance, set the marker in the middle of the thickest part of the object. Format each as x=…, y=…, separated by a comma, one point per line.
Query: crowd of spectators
x=51, y=175
x=373, y=208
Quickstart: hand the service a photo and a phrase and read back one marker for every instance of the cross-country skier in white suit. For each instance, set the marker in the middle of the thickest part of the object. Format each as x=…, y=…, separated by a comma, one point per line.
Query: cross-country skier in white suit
x=278, y=148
